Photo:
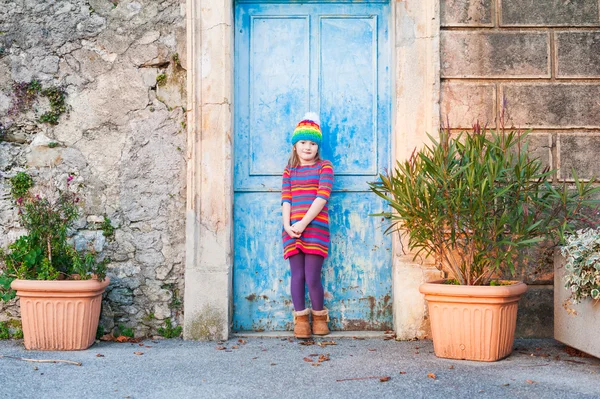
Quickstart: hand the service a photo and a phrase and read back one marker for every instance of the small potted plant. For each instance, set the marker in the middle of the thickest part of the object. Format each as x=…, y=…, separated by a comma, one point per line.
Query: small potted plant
x=60, y=289
x=471, y=203
x=577, y=291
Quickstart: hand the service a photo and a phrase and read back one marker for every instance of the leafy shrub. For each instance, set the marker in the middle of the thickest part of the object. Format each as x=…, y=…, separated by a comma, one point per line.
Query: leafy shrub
x=44, y=253
x=582, y=269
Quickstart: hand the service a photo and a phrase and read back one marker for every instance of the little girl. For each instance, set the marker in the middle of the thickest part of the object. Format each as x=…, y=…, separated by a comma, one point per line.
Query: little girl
x=306, y=187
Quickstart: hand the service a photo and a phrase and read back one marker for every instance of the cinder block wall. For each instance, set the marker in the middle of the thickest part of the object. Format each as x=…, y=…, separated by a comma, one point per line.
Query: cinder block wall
x=543, y=57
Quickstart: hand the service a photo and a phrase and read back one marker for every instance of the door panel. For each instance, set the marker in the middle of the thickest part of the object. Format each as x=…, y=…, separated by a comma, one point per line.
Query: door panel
x=333, y=59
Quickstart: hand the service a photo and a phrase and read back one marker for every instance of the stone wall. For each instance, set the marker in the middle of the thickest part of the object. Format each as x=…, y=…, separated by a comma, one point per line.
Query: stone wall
x=543, y=57
x=123, y=136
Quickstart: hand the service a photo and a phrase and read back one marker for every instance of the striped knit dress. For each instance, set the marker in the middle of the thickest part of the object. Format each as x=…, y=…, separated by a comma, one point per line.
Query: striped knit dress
x=301, y=185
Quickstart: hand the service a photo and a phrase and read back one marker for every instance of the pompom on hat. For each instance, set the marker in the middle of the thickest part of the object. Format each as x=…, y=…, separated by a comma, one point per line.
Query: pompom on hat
x=308, y=129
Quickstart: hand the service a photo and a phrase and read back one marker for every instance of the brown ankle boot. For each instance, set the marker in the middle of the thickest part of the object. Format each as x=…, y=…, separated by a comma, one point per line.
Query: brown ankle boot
x=301, y=324
x=320, y=319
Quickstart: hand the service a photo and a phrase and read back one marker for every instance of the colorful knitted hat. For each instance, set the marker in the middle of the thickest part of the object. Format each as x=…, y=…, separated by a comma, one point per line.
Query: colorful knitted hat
x=308, y=129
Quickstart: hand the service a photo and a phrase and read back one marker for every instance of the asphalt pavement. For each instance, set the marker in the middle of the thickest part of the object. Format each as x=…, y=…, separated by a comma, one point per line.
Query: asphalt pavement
x=260, y=367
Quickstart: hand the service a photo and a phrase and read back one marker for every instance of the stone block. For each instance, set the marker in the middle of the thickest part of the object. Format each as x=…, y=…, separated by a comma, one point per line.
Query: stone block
x=495, y=54
x=544, y=105
x=578, y=54
x=578, y=151
x=549, y=13
x=466, y=13
x=465, y=103
x=540, y=146
x=535, y=318
x=207, y=305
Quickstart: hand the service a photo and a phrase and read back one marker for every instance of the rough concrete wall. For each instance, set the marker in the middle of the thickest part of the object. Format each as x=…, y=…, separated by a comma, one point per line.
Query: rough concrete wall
x=544, y=58
x=121, y=64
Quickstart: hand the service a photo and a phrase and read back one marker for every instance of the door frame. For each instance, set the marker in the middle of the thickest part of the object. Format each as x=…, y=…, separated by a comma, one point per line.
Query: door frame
x=208, y=297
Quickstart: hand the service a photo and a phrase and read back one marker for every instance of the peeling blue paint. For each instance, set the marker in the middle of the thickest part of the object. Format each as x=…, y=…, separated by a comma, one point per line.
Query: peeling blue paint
x=332, y=58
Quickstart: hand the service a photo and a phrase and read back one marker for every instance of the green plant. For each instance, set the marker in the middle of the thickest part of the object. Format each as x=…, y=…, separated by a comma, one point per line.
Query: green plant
x=126, y=332
x=149, y=317
x=168, y=331
x=581, y=250
x=474, y=201
x=99, y=331
x=4, y=332
x=52, y=144
x=176, y=59
x=107, y=229
x=18, y=334
x=161, y=79
x=25, y=93
x=44, y=252
x=20, y=185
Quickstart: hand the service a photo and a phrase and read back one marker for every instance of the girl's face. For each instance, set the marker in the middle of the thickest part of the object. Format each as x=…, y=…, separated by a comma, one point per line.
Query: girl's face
x=306, y=150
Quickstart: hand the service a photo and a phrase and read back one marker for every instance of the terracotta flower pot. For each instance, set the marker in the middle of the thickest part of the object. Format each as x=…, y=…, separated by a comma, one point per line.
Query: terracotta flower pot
x=472, y=322
x=60, y=315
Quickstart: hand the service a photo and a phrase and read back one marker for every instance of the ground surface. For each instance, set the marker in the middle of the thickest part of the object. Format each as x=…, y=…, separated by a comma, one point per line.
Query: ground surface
x=258, y=367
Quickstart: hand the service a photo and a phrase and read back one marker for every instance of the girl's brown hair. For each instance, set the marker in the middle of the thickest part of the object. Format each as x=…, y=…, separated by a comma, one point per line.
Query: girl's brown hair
x=294, y=161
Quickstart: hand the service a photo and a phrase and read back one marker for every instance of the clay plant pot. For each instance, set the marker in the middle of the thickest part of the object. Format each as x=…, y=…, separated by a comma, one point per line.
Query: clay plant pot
x=472, y=322
x=61, y=314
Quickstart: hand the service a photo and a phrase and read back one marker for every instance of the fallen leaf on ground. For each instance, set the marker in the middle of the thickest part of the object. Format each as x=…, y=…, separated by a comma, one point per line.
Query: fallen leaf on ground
x=142, y=344
x=358, y=338
x=234, y=347
x=324, y=358
x=384, y=379
x=372, y=349
x=254, y=358
x=432, y=376
x=220, y=348
x=99, y=355
x=315, y=364
x=138, y=353
x=451, y=367
x=273, y=364
x=147, y=346
x=123, y=338
x=530, y=381
x=325, y=343
x=403, y=372
x=314, y=354
x=505, y=385
x=575, y=352
x=242, y=341
x=307, y=343
x=308, y=359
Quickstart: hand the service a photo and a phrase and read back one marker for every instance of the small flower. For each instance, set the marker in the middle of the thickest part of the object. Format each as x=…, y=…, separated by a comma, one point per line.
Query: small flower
x=20, y=200
x=70, y=178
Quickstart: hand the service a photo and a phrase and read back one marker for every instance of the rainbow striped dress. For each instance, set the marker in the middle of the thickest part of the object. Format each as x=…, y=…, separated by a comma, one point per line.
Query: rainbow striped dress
x=301, y=185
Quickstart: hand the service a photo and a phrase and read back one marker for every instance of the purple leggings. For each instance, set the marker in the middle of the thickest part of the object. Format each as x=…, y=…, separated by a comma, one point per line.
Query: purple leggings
x=306, y=268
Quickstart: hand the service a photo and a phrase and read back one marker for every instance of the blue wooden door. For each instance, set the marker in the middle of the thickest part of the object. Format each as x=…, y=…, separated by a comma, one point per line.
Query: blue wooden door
x=333, y=59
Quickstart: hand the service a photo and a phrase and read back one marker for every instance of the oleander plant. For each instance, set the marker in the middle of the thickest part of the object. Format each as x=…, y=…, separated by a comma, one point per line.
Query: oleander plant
x=45, y=252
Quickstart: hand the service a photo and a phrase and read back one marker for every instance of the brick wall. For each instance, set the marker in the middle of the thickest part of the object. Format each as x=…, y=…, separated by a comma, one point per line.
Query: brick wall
x=543, y=56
